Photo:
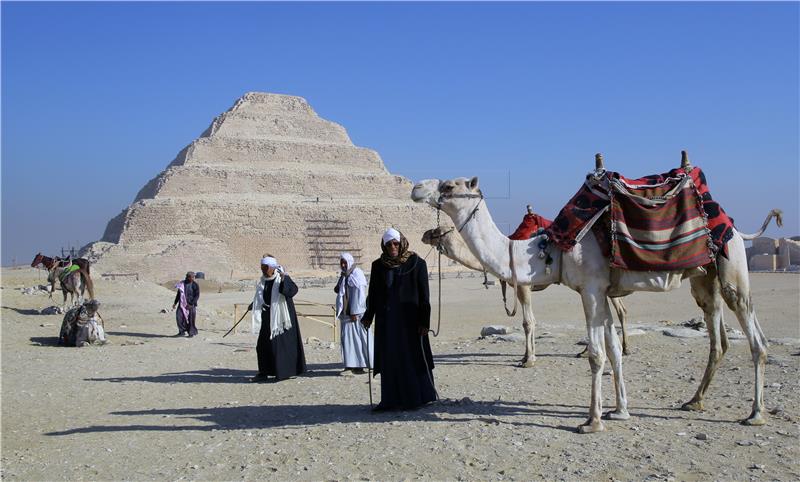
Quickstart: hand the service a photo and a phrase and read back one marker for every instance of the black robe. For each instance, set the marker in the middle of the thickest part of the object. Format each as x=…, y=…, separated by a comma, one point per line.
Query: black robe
x=399, y=301
x=282, y=356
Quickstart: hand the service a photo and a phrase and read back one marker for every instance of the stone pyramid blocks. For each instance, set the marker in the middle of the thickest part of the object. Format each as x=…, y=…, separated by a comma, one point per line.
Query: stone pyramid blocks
x=268, y=176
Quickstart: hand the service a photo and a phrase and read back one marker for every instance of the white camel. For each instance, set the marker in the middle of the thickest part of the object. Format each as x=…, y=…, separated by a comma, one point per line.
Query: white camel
x=453, y=246
x=585, y=270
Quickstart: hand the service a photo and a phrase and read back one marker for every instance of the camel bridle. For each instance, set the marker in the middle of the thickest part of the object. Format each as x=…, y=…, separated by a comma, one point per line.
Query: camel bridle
x=440, y=248
x=472, y=214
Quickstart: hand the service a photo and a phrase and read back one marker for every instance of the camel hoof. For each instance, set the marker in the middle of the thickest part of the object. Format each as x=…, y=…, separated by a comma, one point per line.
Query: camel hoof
x=694, y=406
x=617, y=415
x=525, y=364
x=592, y=427
x=755, y=420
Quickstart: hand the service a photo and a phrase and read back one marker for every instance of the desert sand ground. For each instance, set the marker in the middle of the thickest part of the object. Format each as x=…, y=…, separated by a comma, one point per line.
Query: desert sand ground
x=151, y=406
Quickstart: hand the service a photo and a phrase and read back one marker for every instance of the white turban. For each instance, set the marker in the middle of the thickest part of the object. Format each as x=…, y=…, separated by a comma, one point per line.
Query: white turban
x=348, y=259
x=391, y=234
x=269, y=261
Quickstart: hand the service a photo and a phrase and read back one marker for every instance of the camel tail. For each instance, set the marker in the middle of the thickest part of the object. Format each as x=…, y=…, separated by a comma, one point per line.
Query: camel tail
x=776, y=213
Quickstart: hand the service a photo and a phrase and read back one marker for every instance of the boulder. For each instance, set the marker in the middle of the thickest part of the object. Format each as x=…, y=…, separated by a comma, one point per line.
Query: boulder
x=495, y=330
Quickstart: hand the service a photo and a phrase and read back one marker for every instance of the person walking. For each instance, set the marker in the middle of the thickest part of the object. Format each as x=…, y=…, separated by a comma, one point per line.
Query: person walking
x=188, y=292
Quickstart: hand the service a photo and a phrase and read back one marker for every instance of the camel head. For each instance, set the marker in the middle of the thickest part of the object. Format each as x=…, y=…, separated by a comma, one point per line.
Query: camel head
x=432, y=237
x=450, y=196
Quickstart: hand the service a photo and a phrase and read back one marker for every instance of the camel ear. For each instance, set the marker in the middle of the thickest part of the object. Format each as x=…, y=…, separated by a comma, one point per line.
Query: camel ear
x=473, y=183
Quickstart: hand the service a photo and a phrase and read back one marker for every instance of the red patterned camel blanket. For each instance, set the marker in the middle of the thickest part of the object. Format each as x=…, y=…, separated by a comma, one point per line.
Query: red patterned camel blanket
x=657, y=223
x=530, y=226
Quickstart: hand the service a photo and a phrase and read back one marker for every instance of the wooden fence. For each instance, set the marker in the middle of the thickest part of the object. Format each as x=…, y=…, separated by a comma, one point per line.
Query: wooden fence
x=309, y=310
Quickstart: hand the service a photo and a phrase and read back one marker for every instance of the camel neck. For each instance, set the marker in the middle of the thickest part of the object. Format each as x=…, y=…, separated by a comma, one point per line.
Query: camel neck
x=491, y=247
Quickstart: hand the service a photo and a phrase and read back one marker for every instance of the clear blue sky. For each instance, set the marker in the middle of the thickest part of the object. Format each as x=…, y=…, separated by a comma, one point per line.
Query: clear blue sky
x=97, y=98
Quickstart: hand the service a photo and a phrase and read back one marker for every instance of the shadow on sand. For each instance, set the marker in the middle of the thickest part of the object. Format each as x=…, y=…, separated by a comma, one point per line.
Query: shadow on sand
x=445, y=411
x=287, y=416
x=44, y=341
x=217, y=375
x=23, y=311
x=489, y=359
x=138, y=335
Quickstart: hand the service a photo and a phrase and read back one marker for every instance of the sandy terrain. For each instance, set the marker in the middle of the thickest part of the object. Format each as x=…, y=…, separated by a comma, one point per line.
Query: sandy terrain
x=150, y=406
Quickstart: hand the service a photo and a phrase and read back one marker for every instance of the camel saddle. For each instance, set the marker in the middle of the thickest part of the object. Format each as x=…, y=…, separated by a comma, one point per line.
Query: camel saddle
x=663, y=222
x=67, y=271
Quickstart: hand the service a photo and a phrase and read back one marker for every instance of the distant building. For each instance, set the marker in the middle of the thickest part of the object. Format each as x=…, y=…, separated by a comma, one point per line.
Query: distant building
x=768, y=254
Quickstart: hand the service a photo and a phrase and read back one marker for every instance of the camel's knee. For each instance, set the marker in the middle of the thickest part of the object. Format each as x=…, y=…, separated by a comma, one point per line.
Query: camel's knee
x=736, y=300
x=596, y=359
x=716, y=354
x=759, y=352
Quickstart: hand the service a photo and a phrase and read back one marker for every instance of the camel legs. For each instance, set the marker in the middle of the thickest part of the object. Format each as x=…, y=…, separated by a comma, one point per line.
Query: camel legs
x=614, y=352
x=602, y=337
x=735, y=285
x=622, y=316
x=528, y=324
x=706, y=292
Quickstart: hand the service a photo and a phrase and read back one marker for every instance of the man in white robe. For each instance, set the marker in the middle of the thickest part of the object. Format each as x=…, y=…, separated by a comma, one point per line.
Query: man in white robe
x=351, y=303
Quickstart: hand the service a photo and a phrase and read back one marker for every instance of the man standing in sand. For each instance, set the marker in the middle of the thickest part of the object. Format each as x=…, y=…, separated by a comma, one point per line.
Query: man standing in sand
x=280, y=345
x=399, y=301
x=187, y=295
x=351, y=303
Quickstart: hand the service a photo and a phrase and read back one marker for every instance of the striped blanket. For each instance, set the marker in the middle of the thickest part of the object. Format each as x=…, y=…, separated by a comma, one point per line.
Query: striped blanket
x=657, y=223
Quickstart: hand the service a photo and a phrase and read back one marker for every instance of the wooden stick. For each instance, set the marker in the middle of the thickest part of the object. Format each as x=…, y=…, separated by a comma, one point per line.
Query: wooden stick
x=598, y=162
x=685, y=164
x=237, y=324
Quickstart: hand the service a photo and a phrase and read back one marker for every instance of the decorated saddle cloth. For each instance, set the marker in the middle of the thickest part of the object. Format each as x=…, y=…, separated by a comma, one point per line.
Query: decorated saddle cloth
x=656, y=223
x=69, y=270
x=529, y=226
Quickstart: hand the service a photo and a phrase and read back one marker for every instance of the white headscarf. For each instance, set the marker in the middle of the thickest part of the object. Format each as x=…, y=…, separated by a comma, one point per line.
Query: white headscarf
x=355, y=276
x=390, y=234
x=279, y=318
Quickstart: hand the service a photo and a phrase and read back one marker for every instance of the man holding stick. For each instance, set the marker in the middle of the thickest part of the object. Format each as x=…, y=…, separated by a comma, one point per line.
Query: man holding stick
x=280, y=346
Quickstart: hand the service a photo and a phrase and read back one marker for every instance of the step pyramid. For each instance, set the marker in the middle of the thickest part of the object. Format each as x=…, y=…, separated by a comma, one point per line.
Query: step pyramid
x=268, y=176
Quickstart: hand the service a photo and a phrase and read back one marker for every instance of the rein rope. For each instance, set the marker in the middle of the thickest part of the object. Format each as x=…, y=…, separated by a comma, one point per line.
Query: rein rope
x=440, y=249
x=439, y=269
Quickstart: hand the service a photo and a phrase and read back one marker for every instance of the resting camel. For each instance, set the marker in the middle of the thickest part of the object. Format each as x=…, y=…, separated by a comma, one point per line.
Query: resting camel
x=70, y=284
x=586, y=270
x=453, y=246
x=49, y=263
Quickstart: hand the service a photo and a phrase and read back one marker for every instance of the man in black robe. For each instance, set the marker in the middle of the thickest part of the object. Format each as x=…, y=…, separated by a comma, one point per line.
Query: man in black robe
x=399, y=301
x=280, y=346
